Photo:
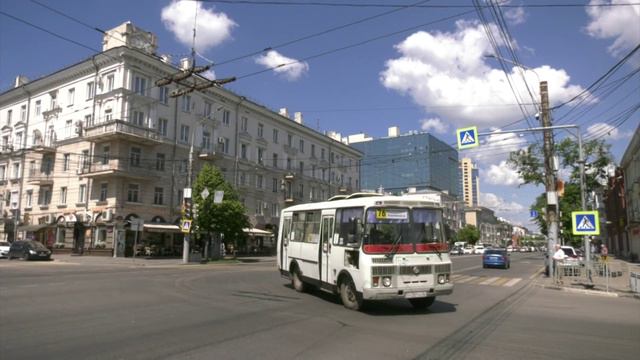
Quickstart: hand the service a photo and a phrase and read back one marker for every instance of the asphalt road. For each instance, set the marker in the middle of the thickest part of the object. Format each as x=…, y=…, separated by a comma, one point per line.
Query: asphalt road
x=53, y=310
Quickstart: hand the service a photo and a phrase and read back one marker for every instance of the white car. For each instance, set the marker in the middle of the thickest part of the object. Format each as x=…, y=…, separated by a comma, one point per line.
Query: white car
x=478, y=249
x=4, y=249
x=467, y=250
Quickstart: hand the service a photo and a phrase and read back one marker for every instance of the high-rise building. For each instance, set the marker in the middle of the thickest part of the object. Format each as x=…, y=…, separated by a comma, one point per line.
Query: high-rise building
x=397, y=162
x=470, y=182
x=101, y=142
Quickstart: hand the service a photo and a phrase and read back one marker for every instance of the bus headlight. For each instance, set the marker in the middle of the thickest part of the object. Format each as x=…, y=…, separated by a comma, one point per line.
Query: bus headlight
x=386, y=281
x=375, y=281
x=441, y=279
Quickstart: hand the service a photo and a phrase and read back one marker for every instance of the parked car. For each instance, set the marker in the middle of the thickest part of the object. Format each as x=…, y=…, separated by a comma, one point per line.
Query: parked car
x=468, y=250
x=4, y=249
x=478, y=249
x=496, y=257
x=571, y=255
x=28, y=250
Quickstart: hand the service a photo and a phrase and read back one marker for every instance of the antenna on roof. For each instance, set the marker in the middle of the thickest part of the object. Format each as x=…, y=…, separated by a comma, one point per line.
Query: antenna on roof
x=193, y=45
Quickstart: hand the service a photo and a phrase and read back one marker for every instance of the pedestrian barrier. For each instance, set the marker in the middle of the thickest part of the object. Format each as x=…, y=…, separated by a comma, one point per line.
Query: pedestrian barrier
x=603, y=274
x=634, y=282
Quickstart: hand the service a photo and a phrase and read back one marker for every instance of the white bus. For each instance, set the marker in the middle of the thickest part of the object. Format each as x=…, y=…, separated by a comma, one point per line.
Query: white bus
x=367, y=247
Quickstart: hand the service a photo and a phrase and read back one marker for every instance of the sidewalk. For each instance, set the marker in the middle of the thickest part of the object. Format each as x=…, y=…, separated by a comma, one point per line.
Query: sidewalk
x=617, y=284
x=151, y=262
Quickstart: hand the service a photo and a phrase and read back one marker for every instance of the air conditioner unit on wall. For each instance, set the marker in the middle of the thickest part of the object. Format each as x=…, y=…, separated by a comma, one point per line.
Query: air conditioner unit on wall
x=49, y=218
x=107, y=215
x=221, y=140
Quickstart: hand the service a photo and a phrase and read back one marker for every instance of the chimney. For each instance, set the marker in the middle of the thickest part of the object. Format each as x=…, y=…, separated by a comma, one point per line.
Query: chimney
x=185, y=64
x=284, y=112
x=166, y=58
x=297, y=117
x=20, y=80
x=394, y=131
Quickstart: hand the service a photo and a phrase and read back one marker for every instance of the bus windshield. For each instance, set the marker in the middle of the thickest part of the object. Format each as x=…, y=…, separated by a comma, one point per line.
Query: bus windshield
x=401, y=230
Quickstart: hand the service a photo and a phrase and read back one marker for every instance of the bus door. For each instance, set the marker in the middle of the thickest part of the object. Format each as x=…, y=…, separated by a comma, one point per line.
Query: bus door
x=326, y=233
x=285, y=237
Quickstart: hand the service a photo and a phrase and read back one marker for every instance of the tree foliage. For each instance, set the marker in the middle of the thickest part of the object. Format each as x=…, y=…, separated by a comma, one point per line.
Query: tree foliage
x=469, y=234
x=227, y=218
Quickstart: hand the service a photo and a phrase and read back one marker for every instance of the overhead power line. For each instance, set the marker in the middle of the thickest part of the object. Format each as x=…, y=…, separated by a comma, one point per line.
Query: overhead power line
x=381, y=5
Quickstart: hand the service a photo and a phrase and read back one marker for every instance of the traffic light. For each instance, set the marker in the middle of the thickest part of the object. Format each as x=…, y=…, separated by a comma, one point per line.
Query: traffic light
x=188, y=208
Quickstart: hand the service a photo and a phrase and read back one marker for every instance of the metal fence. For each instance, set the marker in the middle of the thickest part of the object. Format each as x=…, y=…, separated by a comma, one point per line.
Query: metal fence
x=604, y=274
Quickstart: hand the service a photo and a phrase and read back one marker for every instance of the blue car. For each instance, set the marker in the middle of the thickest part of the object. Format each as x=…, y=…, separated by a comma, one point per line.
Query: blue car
x=496, y=258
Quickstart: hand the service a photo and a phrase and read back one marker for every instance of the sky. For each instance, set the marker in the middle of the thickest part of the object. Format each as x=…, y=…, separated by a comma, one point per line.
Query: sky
x=362, y=66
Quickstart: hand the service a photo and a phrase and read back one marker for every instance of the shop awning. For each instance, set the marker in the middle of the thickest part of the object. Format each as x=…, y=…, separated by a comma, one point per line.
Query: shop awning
x=161, y=228
x=33, y=228
x=257, y=232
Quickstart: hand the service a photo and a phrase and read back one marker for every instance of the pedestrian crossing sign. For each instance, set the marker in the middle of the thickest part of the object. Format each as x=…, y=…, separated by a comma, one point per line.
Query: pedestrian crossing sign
x=185, y=226
x=585, y=223
x=467, y=137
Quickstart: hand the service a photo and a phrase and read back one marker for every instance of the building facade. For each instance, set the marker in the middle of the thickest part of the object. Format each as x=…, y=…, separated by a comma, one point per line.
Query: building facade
x=98, y=143
x=399, y=162
x=630, y=165
x=470, y=182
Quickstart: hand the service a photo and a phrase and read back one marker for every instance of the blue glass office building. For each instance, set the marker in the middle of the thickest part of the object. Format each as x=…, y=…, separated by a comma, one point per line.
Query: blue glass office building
x=418, y=161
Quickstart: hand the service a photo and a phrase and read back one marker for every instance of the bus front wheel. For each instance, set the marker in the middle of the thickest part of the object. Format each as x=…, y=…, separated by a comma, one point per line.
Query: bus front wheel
x=422, y=303
x=296, y=281
x=350, y=298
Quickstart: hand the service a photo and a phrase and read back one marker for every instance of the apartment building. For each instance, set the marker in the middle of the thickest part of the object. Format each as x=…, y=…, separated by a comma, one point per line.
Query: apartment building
x=469, y=182
x=98, y=143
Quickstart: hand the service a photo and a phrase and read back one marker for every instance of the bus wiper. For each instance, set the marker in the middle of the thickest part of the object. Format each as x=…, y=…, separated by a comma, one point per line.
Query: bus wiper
x=437, y=250
x=394, y=247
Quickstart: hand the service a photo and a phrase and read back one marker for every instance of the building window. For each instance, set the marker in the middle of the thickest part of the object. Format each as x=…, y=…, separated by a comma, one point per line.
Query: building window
x=29, y=200
x=71, y=96
x=138, y=118
x=38, y=107
x=186, y=103
x=275, y=210
x=260, y=130
x=65, y=162
x=260, y=159
x=301, y=168
x=133, y=193
x=82, y=191
x=301, y=143
x=207, y=109
x=184, y=133
x=242, y=179
x=88, y=120
x=3, y=172
x=139, y=85
x=259, y=207
x=23, y=113
x=226, y=117
x=313, y=171
x=244, y=124
x=54, y=99
x=180, y=197
x=225, y=145
x=313, y=150
x=105, y=155
x=322, y=154
x=288, y=163
x=274, y=185
x=68, y=128
x=160, y=162
x=289, y=140
x=108, y=115
x=44, y=196
x=275, y=160
x=158, y=196
x=63, y=195
x=91, y=90
x=104, y=187
x=110, y=82
x=162, y=126
x=134, y=156
x=164, y=95
x=275, y=136
x=16, y=170
x=206, y=140
x=9, y=115
x=259, y=181
x=243, y=151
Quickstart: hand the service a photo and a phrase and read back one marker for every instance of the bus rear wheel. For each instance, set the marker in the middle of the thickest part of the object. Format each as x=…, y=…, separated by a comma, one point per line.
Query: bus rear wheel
x=349, y=296
x=296, y=281
x=422, y=303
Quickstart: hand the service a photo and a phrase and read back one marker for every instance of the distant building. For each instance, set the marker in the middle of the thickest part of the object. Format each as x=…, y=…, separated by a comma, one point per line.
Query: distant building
x=470, y=182
x=398, y=162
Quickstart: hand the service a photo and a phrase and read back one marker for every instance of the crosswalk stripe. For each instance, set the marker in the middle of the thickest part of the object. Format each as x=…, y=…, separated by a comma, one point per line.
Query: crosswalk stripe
x=489, y=281
x=501, y=281
x=512, y=282
x=465, y=279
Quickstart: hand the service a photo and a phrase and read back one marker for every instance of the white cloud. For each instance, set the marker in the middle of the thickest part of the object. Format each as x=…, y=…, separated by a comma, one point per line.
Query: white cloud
x=209, y=74
x=497, y=146
x=500, y=205
x=434, y=124
x=606, y=130
x=212, y=28
x=516, y=16
x=618, y=22
x=448, y=74
x=290, y=68
x=502, y=174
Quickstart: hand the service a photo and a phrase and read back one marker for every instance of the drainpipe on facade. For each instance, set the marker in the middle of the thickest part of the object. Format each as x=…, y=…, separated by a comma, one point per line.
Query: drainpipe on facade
x=235, y=163
x=173, y=159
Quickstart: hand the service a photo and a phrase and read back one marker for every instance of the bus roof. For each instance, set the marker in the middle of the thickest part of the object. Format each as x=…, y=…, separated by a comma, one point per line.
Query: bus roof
x=366, y=201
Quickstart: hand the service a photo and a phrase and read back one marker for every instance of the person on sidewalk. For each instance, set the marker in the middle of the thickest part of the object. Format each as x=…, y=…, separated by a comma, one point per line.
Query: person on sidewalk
x=558, y=259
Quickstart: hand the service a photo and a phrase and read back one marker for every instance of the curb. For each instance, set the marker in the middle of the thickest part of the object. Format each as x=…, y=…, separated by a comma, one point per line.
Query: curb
x=590, y=292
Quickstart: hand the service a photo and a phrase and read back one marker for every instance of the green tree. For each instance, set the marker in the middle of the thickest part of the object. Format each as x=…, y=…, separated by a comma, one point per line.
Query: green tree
x=227, y=218
x=530, y=167
x=469, y=234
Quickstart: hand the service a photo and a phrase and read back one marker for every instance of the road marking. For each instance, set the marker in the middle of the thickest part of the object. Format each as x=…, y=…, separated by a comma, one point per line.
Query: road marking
x=501, y=281
x=489, y=281
x=465, y=279
x=536, y=273
x=512, y=282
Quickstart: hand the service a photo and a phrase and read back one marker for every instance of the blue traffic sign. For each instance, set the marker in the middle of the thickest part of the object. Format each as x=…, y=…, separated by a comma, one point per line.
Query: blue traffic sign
x=467, y=137
x=533, y=213
x=585, y=223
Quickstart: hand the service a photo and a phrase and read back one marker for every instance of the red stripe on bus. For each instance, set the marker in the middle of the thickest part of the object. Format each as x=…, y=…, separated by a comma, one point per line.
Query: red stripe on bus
x=384, y=249
x=432, y=247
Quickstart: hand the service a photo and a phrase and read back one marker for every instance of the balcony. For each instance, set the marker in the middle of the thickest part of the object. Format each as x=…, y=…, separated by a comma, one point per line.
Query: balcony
x=212, y=154
x=52, y=112
x=208, y=120
x=121, y=130
x=290, y=150
x=43, y=146
x=40, y=177
x=119, y=169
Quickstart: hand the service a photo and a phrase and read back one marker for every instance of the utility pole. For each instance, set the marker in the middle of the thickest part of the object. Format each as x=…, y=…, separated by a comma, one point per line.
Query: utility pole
x=188, y=202
x=549, y=177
